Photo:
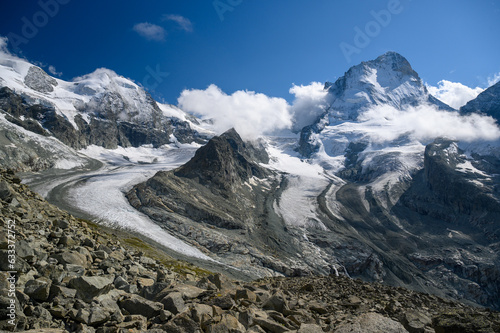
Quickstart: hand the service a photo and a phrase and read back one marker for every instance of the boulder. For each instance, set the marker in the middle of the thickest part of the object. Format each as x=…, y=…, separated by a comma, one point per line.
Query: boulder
x=375, y=321
x=89, y=287
x=310, y=328
x=229, y=324
x=245, y=294
x=71, y=257
x=136, y=305
x=270, y=325
x=277, y=302
x=174, y=302
x=38, y=289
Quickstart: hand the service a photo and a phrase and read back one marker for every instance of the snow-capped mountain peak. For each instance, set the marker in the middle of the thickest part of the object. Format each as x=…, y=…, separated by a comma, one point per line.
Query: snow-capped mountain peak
x=101, y=108
x=387, y=80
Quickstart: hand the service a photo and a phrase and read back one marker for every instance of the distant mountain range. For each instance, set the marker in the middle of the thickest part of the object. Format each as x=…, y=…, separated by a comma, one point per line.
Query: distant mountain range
x=389, y=184
x=101, y=108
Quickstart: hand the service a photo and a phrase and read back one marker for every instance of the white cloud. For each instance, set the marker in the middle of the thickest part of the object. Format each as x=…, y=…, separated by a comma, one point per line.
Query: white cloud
x=425, y=123
x=150, y=31
x=454, y=94
x=53, y=71
x=184, y=23
x=3, y=45
x=309, y=103
x=251, y=114
x=493, y=79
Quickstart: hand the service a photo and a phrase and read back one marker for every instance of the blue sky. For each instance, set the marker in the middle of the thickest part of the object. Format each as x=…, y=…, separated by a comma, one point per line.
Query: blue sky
x=259, y=45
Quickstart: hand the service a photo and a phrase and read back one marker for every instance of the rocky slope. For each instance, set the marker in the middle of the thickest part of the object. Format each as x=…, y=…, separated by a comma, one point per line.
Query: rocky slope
x=487, y=102
x=72, y=276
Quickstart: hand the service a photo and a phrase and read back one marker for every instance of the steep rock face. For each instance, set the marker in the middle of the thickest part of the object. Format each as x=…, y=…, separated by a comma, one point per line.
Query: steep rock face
x=38, y=80
x=455, y=204
x=487, y=102
x=105, y=129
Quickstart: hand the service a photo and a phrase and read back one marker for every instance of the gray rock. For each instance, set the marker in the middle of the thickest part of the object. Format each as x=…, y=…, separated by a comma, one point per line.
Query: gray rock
x=200, y=312
x=20, y=265
x=71, y=257
x=151, y=292
x=88, y=242
x=270, y=325
x=245, y=294
x=416, y=321
x=120, y=282
x=224, y=302
x=174, y=303
x=98, y=316
x=182, y=323
x=137, y=305
x=376, y=323
x=133, y=322
x=310, y=328
x=89, y=287
x=228, y=323
x=67, y=241
x=256, y=329
x=60, y=291
x=6, y=191
x=100, y=254
x=277, y=302
x=131, y=289
x=38, y=289
x=25, y=250
x=82, y=316
x=63, y=224
x=56, y=273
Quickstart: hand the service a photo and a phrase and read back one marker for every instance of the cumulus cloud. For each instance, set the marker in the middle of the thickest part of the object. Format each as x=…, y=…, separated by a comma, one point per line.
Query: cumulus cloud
x=425, y=123
x=454, y=94
x=53, y=71
x=251, y=114
x=184, y=23
x=150, y=31
x=310, y=102
x=493, y=79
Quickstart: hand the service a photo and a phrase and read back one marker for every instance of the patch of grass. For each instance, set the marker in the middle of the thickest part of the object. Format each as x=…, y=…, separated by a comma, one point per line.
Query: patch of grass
x=137, y=243
x=176, y=266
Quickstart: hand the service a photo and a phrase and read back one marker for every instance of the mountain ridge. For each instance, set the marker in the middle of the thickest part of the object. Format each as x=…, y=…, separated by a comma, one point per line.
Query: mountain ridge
x=363, y=199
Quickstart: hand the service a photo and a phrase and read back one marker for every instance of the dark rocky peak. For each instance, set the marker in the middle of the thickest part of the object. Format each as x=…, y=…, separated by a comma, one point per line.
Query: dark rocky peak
x=487, y=102
x=226, y=162
x=37, y=79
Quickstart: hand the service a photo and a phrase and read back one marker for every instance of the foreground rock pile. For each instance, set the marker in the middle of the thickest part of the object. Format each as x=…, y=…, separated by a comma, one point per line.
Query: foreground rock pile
x=71, y=276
